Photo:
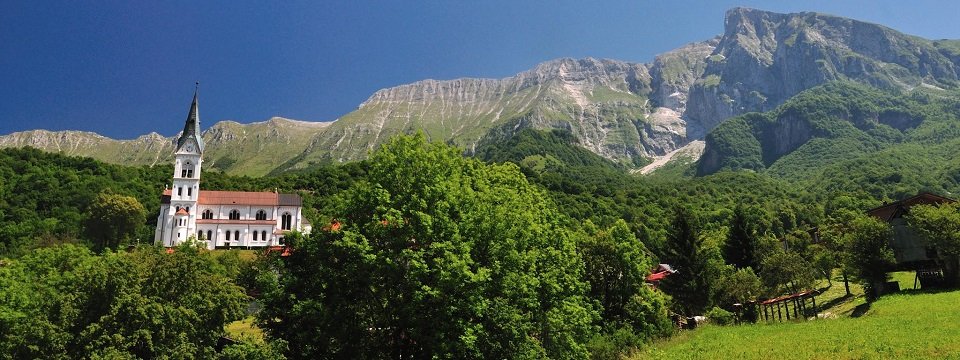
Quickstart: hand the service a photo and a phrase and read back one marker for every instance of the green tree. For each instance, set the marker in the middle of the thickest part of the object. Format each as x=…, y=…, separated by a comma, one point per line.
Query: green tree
x=940, y=224
x=617, y=265
x=741, y=246
x=868, y=252
x=65, y=302
x=738, y=286
x=691, y=286
x=113, y=218
x=787, y=272
x=835, y=233
x=437, y=256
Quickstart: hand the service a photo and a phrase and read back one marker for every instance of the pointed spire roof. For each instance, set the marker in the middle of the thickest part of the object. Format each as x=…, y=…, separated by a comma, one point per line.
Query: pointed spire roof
x=192, y=127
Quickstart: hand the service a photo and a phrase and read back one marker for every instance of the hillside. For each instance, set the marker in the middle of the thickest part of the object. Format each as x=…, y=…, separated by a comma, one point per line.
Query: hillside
x=844, y=136
x=630, y=113
x=240, y=149
x=904, y=326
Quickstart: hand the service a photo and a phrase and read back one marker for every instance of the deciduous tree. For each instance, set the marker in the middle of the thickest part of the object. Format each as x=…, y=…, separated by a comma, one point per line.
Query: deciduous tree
x=112, y=219
x=940, y=224
x=437, y=256
x=868, y=252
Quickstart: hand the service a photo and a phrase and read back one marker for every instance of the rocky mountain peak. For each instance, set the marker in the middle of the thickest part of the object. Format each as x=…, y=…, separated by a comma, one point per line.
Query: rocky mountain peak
x=627, y=112
x=764, y=58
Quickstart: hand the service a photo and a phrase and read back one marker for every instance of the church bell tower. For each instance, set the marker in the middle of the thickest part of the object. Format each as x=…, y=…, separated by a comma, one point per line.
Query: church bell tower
x=186, y=178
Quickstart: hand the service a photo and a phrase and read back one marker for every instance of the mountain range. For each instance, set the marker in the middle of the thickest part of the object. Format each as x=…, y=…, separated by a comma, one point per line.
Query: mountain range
x=633, y=114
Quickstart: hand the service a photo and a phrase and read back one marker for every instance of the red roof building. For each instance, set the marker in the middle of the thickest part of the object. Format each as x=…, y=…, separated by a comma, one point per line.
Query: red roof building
x=220, y=219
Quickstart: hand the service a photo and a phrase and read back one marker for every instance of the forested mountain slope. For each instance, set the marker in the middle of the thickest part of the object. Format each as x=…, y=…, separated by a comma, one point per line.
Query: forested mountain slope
x=842, y=136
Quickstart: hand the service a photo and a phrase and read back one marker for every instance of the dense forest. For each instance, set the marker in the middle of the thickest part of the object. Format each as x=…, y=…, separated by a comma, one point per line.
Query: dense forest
x=533, y=248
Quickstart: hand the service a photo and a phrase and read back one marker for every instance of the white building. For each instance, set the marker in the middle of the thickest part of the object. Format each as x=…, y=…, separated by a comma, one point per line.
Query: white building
x=221, y=219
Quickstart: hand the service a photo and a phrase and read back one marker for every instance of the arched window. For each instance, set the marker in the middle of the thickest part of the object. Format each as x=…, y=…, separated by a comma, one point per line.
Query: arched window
x=178, y=208
x=188, y=209
x=264, y=233
x=236, y=234
x=189, y=192
x=234, y=214
x=180, y=191
x=261, y=215
x=209, y=235
x=207, y=214
x=200, y=235
x=285, y=221
x=228, y=236
x=255, y=235
x=186, y=171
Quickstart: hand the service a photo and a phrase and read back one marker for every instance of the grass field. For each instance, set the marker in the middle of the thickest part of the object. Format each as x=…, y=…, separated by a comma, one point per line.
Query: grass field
x=907, y=325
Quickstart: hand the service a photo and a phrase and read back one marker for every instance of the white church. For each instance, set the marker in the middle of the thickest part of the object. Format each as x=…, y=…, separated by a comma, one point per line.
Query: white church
x=220, y=219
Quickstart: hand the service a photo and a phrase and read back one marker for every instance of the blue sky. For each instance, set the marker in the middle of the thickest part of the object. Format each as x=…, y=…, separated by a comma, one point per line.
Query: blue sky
x=126, y=68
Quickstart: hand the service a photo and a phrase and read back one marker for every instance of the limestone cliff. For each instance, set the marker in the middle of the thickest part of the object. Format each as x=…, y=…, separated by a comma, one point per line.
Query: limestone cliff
x=764, y=58
x=632, y=113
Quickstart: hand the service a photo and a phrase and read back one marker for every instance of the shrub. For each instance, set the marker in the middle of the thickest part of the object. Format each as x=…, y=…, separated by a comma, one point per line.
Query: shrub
x=720, y=316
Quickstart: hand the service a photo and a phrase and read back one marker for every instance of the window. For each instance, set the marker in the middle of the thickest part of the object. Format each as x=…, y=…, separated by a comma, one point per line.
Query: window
x=261, y=215
x=178, y=208
x=234, y=214
x=207, y=214
x=189, y=191
x=280, y=240
x=200, y=235
x=264, y=233
x=180, y=191
x=285, y=221
x=255, y=235
x=209, y=235
x=236, y=234
x=187, y=170
x=188, y=209
x=228, y=236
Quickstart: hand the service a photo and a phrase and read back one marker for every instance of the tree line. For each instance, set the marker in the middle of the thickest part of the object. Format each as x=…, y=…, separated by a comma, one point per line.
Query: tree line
x=433, y=255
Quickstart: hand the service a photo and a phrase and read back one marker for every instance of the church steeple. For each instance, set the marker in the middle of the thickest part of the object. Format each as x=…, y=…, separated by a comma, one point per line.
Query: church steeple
x=192, y=127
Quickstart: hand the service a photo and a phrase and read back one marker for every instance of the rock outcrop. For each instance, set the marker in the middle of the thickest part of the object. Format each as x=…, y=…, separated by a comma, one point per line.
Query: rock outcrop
x=764, y=58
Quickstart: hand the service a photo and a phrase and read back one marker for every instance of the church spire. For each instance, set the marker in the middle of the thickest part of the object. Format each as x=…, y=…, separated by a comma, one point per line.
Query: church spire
x=191, y=129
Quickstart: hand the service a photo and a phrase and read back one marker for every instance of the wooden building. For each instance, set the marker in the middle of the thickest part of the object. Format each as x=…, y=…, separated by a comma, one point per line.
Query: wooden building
x=908, y=246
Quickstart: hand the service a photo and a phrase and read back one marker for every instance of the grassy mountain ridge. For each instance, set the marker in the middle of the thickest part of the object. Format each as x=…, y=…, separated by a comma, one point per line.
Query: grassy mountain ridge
x=629, y=113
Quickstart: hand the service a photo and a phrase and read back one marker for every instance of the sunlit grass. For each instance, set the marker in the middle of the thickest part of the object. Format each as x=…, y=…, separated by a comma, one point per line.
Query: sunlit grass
x=908, y=325
x=245, y=329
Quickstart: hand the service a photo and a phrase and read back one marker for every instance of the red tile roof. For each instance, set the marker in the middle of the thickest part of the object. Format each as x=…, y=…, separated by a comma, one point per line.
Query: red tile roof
x=658, y=276
x=262, y=198
x=283, y=250
x=208, y=197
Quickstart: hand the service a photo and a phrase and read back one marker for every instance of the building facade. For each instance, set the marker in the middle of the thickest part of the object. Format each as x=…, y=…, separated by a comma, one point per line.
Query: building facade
x=220, y=219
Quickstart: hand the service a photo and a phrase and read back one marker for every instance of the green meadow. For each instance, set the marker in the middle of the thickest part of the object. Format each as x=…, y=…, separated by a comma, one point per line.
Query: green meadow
x=907, y=325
